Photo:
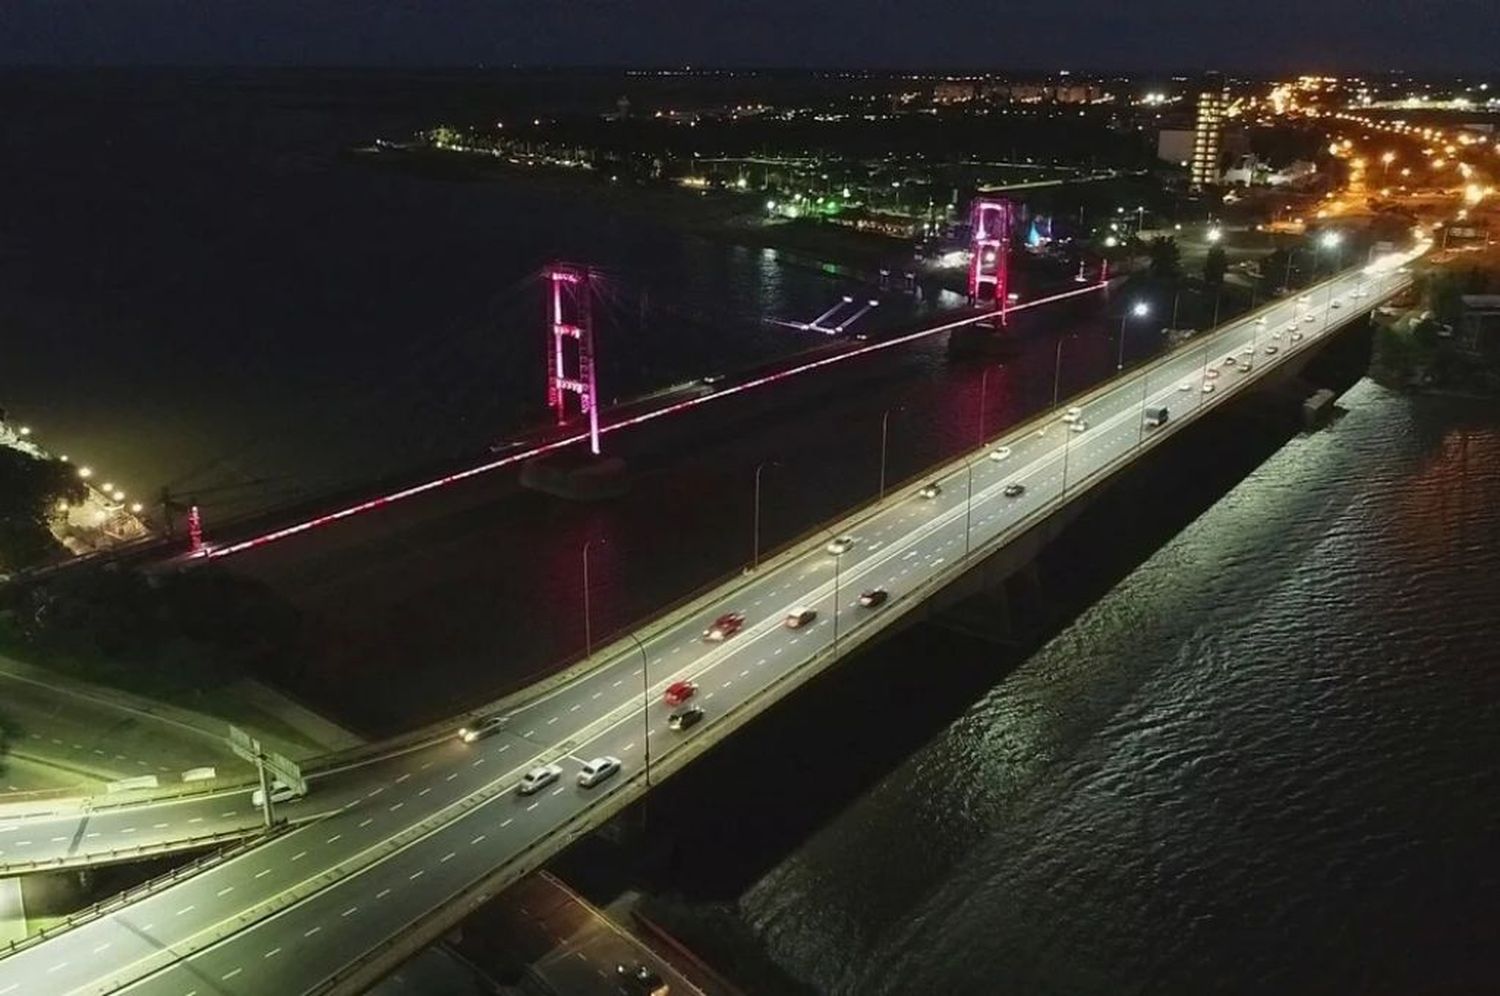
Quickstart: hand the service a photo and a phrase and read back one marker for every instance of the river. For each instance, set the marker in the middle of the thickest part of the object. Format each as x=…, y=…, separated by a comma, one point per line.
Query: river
x=1263, y=762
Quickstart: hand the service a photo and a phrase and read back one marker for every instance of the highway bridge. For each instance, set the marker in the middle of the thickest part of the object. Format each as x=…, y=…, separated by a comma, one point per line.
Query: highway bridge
x=391, y=850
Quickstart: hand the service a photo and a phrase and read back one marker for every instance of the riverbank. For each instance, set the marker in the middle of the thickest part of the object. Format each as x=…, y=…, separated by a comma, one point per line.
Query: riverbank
x=722, y=216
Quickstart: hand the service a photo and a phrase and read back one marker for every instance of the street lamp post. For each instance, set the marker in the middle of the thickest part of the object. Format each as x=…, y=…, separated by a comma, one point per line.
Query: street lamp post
x=1057, y=366
x=885, y=425
x=588, y=624
x=984, y=386
x=1140, y=309
x=645, y=703
x=1335, y=241
x=755, y=528
x=968, y=505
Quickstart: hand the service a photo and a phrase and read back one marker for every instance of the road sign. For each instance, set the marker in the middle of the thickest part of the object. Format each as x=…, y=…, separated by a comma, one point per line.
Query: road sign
x=282, y=768
x=243, y=744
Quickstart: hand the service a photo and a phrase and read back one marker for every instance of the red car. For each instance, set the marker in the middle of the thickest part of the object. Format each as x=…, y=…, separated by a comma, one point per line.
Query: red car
x=679, y=692
x=724, y=627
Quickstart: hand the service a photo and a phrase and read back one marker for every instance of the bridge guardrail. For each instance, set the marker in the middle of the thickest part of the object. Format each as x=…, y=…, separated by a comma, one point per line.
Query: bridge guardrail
x=150, y=886
x=456, y=906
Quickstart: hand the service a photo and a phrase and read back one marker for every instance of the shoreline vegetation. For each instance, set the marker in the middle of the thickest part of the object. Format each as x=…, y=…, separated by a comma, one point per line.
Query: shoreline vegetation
x=718, y=215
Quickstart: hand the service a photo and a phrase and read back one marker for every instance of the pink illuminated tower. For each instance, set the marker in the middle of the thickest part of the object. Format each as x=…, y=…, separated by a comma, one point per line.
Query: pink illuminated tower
x=195, y=529
x=990, y=250
x=570, y=369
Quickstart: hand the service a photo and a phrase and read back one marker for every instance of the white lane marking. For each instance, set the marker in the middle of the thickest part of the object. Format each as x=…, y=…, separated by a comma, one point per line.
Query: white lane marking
x=334, y=838
x=597, y=694
x=508, y=822
x=447, y=857
x=154, y=826
x=557, y=790
x=451, y=777
x=196, y=819
x=186, y=909
x=477, y=762
x=424, y=791
x=367, y=821
x=263, y=873
x=58, y=967
x=533, y=806
x=575, y=708
x=225, y=891
x=102, y=947
x=374, y=792
x=477, y=839
x=309, y=933
x=382, y=893
x=414, y=875
x=231, y=974
x=552, y=720
x=272, y=953
x=396, y=807
x=349, y=911
x=299, y=855
x=403, y=778
x=615, y=685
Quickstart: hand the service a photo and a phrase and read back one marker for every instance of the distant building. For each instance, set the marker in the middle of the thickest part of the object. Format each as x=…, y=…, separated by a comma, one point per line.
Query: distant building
x=1479, y=326
x=952, y=93
x=1175, y=145
x=1208, y=132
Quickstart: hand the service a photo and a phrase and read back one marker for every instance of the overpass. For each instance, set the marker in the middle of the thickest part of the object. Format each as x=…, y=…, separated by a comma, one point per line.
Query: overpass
x=393, y=850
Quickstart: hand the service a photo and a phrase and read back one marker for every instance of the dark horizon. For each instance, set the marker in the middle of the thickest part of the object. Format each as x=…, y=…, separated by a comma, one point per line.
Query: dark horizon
x=1339, y=37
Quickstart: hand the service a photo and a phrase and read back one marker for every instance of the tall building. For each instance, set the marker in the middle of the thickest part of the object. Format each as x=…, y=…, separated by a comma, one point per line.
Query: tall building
x=1208, y=131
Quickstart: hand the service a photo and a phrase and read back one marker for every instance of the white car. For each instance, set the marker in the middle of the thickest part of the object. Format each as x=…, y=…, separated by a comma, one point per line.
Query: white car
x=1248, y=351
x=485, y=727
x=1291, y=326
x=1336, y=303
x=1261, y=320
x=1208, y=387
x=1000, y=453
x=1072, y=414
x=1303, y=299
x=595, y=771
x=1080, y=426
x=280, y=792
x=1270, y=350
x=840, y=545
x=1186, y=385
x=1309, y=318
x=930, y=491
x=799, y=617
x=539, y=778
x=1296, y=336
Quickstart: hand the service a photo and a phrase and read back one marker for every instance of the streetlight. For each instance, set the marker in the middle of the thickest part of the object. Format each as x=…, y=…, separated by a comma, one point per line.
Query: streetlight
x=588, y=623
x=1140, y=310
x=1386, y=158
x=1057, y=367
x=645, y=703
x=984, y=384
x=1215, y=234
x=755, y=535
x=1333, y=240
x=885, y=425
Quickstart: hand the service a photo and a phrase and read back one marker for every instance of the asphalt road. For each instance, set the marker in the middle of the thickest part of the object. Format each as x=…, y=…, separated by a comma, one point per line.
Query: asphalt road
x=393, y=840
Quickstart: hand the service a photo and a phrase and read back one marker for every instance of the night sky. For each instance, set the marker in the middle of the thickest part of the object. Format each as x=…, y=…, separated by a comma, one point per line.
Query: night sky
x=1445, y=36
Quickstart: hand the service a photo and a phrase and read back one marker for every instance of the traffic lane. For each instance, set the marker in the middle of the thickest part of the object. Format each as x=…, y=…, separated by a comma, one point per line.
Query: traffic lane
x=243, y=883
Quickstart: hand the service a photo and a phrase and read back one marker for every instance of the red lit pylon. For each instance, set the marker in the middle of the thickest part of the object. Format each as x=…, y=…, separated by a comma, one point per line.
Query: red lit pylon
x=989, y=263
x=571, y=320
x=195, y=529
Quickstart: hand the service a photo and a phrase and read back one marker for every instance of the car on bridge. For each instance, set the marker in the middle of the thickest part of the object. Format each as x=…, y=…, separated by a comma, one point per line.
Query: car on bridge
x=840, y=544
x=1336, y=303
x=1309, y=318
x=1079, y=426
x=1270, y=350
x=1072, y=415
x=799, y=617
x=539, y=778
x=679, y=692
x=1014, y=490
x=1210, y=373
x=485, y=727
x=1296, y=336
x=595, y=771
x=1186, y=385
x=724, y=627
x=685, y=719
x=930, y=491
x=1230, y=361
x=1208, y=387
x=1000, y=453
x=280, y=792
x=638, y=980
x=874, y=598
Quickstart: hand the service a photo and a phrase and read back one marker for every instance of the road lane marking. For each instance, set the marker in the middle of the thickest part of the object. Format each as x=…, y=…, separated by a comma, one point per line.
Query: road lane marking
x=335, y=837
x=272, y=953
x=225, y=891
x=367, y=821
x=425, y=791
x=508, y=822
x=533, y=806
x=299, y=855
x=186, y=909
x=350, y=910
x=403, y=778
x=447, y=857
x=382, y=893
x=231, y=974
x=414, y=875
x=477, y=839
x=262, y=873
x=309, y=933
x=396, y=807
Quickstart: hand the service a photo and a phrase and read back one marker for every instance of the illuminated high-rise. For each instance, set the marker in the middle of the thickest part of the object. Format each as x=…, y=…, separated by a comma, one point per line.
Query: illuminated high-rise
x=1208, y=131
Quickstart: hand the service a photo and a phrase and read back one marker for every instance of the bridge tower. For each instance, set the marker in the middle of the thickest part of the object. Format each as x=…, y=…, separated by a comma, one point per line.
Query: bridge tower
x=570, y=368
x=989, y=265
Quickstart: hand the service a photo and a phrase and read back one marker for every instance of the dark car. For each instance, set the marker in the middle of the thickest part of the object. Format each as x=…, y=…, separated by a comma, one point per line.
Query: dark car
x=874, y=598
x=684, y=719
x=724, y=627
x=638, y=980
x=1014, y=490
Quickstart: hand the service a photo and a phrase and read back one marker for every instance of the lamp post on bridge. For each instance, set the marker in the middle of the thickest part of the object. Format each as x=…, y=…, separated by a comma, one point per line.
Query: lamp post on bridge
x=1334, y=241
x=885, y=424
x=1057, y=366
x=588, y=622
x=1139, y=310
x=645, y=703
x=755, y=529
x=984, y=385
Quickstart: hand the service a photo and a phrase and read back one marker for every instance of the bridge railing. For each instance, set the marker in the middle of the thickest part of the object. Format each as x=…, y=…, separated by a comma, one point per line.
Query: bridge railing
x=443, y=915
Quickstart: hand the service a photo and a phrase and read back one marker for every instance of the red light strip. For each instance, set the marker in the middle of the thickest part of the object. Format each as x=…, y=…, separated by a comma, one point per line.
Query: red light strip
x=485, y=468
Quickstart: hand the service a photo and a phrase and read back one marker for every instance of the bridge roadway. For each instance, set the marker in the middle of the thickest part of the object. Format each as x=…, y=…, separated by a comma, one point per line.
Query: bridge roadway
x=396, y=849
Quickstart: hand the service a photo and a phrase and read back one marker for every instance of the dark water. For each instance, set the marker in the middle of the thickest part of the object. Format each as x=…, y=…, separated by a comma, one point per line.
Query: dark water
x=1264, y=762
x=199, y=286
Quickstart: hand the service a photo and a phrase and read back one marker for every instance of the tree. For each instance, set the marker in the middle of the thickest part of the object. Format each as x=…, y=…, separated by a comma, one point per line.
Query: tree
x=1166, y=259
x=1273, y=269
x=29, y=489
x=1215, y=265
